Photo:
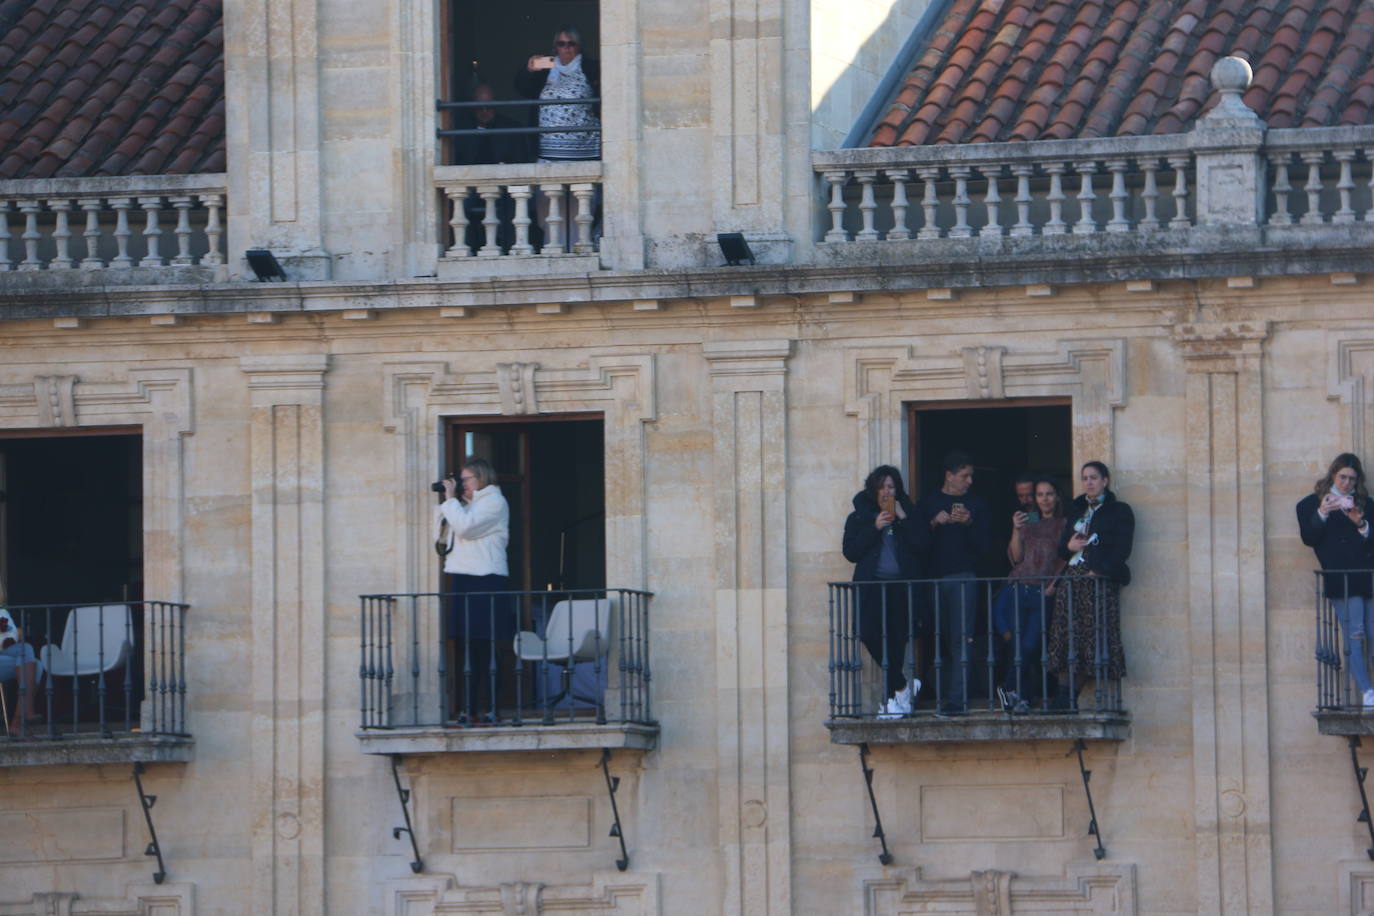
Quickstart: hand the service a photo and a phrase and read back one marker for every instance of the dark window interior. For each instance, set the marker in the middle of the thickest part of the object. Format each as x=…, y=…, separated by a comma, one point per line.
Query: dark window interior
x=71, y=519
x=488, y=42
x=1004, y=440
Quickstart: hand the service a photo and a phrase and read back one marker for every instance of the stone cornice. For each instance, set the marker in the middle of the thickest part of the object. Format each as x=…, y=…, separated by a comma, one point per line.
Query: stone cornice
x=873, y=267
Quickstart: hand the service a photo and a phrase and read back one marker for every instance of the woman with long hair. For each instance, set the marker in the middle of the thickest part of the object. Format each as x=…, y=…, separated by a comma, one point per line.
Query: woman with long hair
x=1018, y=612
x=884, y=540
x=1334, y=521
x=1085, y=629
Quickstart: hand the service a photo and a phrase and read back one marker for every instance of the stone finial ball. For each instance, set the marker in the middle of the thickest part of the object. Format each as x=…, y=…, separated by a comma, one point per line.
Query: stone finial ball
x=1231, y=74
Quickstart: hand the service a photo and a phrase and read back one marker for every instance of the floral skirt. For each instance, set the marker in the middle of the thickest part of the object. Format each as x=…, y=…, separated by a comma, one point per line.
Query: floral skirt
x=1096, y=627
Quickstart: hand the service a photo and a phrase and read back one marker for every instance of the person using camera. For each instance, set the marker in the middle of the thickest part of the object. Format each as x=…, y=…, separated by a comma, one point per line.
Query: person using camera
x=960, y=534
x=566, y=74
x=1334, y=521
x=1085, y=628
x=884, y=542
x=475, y=529
x=1018, y=612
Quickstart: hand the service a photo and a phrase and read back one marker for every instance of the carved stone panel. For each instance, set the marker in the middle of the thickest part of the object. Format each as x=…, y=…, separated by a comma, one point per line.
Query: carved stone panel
x=1097, y=888
x=609, y=894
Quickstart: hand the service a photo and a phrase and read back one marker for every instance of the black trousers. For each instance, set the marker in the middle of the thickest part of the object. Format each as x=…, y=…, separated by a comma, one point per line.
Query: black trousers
x=886, y=614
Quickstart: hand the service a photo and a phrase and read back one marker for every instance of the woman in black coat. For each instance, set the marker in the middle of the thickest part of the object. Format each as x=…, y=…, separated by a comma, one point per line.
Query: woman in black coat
x=1087, y=602
x=886, y=545
x=1334, y=521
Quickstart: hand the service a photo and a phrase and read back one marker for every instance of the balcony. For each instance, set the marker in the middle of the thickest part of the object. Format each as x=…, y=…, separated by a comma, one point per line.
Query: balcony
x=576, y=675
x=110, y=684
x=1340, y=709
x=74, y=233
x=993, y=686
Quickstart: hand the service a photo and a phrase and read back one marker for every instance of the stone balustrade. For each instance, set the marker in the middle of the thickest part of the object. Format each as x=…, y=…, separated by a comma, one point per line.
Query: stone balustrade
x=520, y=211
x=160, y=222
x=1319, y=176
x=1045, y=188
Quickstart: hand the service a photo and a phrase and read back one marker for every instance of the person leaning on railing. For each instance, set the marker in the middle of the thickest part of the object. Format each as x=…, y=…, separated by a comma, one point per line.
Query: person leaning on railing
x=1097, y=544
x=18, y=666
x=886, y=544
x=1334, y=521
x=478, y=534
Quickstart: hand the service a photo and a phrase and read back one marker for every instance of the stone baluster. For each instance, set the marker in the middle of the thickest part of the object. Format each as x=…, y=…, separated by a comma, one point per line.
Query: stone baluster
x=214, y=254
x=92, y=206
x=182, y=205
x=457, y=222
x=490, y=194
x=900, y=229
x=960, y=229
x=992, y=203
x=61, y=235
x=1314, y=160
x=836, y=181
x=930, y=203
x=1369, y=157
x=867, y=204
x=1024, y=227
x=1086, y=224
x=522, y=194
x=1346, y=184
x=31, y=235
x=584, y=194
x=121, y=207
x=553, y=220
x=5, y=262
x=1180, y=194
x=1150, y=193
x=152, y=232
x=1281, y=215
x=1056, y=225
x=1118, y=222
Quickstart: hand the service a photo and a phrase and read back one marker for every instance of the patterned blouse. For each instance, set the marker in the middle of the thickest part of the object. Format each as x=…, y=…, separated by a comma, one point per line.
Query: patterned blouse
x=1039, y=549
x=572, y=83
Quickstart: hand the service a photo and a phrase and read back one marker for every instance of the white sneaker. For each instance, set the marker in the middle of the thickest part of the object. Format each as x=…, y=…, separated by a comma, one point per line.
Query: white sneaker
x=903, y=700
x=1369, y=699
x=888, y=709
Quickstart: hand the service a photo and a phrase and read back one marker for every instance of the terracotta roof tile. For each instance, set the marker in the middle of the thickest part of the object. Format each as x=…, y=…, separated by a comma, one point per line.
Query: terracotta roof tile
x=1034, y=69
x=111, y=87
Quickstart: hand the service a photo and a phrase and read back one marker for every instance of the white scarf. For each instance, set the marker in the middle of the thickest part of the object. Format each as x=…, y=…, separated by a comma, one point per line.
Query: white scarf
x=560, y=70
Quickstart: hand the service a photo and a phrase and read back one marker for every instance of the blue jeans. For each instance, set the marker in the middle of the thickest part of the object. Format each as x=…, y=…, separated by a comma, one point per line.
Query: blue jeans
x=957, y=594
x=1356, y=615
x=12, y=657
x=1020, y=608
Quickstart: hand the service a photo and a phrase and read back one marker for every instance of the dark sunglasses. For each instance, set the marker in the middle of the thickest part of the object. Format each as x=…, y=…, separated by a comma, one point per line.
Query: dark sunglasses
x=565, y=44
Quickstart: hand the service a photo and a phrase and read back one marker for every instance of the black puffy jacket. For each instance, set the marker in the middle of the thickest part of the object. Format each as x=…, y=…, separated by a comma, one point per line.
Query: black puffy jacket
x=863, y=543
x=1114, y=525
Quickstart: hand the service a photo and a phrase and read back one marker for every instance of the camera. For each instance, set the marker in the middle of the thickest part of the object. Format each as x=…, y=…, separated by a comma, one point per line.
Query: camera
x=438, y=485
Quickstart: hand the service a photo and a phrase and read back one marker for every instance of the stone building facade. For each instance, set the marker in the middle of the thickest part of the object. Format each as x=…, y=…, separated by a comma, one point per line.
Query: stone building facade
x=1197, y=302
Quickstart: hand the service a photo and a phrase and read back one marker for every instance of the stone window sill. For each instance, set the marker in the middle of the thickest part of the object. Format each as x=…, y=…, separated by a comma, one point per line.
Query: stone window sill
x=562, y=737
x=89, y=749
x=922, y=729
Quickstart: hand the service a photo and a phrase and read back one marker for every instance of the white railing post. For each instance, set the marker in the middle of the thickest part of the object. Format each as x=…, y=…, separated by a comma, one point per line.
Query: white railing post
x=5, y=262
x=1055, y=225
x=521, y=194
x=61, y=235
x=1086, y=225
x=31, y=235
x=1118, y=222
x=553, y=220
x=1346, y=184
x=867, y=204
x=930, y=203
x=1180, y=193
x=121, y=231
x=899, y=178
x=1369, y=157
x=1150, y=193
x=214, y=254
x=1314, y=160
x=490, y=194
x=458, y=222
x=835, y=205
x=960, y=229
x=152, y=207
x=1281, y=216
x=182, y=204
x=583, y=193
x=92, y=260
x=992, y=202
x=1024, y=228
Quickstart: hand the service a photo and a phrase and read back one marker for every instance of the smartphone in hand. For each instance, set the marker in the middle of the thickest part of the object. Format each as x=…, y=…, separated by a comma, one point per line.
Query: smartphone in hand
x=887, y=502
x=544, y=63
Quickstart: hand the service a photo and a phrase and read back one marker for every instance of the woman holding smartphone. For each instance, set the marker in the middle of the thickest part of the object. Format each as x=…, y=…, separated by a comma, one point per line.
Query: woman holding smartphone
x=1085, y=630
x=1334, y=521
x=884, y=540
x=565, y=74
x=1018, y=613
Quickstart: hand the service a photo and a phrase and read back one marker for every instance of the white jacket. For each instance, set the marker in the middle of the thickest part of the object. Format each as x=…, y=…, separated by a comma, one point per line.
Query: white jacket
x=477, y=533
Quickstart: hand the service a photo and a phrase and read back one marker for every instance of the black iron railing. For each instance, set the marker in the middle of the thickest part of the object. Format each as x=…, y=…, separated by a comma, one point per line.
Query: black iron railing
x=974, y=644
x=95, y=670
x=505, y=658
x=1342, y=594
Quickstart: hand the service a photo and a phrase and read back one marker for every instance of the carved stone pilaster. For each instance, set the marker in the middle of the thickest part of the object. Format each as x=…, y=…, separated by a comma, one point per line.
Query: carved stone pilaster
x=1224, y=460
x=56, y=400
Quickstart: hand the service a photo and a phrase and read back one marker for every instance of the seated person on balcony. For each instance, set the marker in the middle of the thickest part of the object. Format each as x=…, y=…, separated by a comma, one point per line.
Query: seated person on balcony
x=489, y=149
x=961, y=532
x=1334, y=521
x=1097, y=544
x=478, y=530
x=1018, y=612
x=18, y=666
x=885, y=541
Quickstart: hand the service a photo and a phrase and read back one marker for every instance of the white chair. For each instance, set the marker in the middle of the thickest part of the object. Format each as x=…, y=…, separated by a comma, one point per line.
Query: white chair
x=578, y=630
x=96, y=639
